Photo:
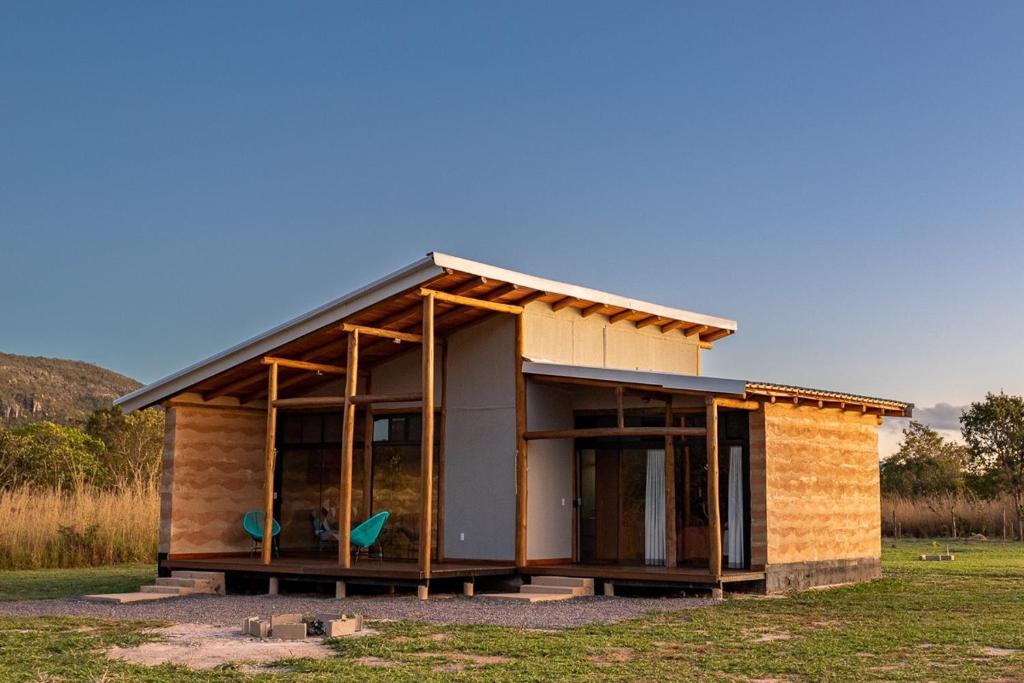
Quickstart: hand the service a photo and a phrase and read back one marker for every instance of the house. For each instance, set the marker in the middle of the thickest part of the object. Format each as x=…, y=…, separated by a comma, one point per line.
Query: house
x=513, y=424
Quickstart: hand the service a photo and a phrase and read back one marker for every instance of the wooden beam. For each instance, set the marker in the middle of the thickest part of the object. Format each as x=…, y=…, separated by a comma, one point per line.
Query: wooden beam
x=614, y=431
x=427, y=438
x=714, y=516
x=623, y=315
x=522, y=452
x=270, y=463
x=303, y=365
x=716, y=335
x=347, y=439
x=472, y=303
x=696, y=329
x=565, y=302
x=530, y=298
x=670, y=490
x=648, y=321
x=238, y=385
x=369, y=399
x=592, y=309
x=310, y=402
x=496, y=294
x=380, y=332
x=464, y=288
x=673, y=325
x=738, y=404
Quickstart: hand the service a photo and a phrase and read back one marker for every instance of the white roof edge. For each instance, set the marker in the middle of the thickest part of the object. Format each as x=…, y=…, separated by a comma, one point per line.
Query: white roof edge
x=333, y=311
x=432, y=265
x=566, y=289
x=701, y=383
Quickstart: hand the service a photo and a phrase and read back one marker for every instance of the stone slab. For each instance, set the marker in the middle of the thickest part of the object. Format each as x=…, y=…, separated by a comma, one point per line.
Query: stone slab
x=123, y=598
x=288, y=632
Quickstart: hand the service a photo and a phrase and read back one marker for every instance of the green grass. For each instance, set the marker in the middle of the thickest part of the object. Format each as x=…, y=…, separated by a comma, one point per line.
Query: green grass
x=57, y=583
x=923, y=621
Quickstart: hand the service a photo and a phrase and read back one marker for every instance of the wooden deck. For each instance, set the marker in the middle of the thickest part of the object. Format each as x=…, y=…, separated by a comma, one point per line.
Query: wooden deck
x=643, y=573
x=368, y=570
x=325, y=566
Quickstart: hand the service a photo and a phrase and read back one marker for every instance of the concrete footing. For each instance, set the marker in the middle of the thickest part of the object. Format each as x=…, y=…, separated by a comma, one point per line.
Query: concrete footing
x=780, y=578
x=422, y=592
x=273, y=586
x=467, y=589
x=609, y=588
x=339, y=589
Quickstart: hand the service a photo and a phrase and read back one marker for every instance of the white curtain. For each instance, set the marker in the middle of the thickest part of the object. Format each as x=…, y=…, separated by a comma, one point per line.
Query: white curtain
x=654, y=509
x=734, y=547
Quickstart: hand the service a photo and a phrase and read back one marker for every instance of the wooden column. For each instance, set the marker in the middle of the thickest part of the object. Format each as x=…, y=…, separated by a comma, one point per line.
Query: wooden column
x=620, y=412
x=368, y=457
x=441, y=479
x=347, y=438
x=271, y=457
x=714, y=516
x=670, y=490
x=427, y=440
x=521, y=452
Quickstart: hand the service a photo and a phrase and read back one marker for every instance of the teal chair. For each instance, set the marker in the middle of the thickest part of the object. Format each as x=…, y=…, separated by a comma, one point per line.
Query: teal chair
x=367, y=533
x=252, y=522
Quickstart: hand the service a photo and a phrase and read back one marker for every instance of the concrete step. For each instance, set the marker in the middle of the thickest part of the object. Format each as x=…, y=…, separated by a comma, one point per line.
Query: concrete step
x=197, y=585
x=528, y=597
x=215, y=579
x=167, y=590
x=123, y=598
x=572, y=581
x=572, y=591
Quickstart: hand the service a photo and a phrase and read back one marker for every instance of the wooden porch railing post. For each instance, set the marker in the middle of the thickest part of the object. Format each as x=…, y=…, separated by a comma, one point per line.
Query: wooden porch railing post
x=348, y=436
x=427, y=440
x=271, y=453
x=714, y=516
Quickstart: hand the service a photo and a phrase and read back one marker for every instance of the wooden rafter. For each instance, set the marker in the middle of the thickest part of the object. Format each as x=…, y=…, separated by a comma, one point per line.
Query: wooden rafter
x=380, y=332
x=716, y=335
x=472, y=303
x=648, y=321
x=696, y=329
x=592, y=309
x=673, y=325
x=303, y=365
x=565, y=302
x=530, y=298
x=623, y=315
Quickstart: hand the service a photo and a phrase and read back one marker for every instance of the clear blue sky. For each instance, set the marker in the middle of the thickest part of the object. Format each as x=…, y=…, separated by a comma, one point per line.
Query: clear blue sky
x=844, y=179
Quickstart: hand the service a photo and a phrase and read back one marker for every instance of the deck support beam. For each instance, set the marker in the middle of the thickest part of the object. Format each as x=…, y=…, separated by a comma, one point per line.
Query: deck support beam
x=427, y=439
x=271, y=457
x=714, y=514
x=347, y=439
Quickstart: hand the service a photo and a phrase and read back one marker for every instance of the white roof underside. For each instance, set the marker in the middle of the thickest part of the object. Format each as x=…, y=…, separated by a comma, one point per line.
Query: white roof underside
x=659, y=380
x=413, y=275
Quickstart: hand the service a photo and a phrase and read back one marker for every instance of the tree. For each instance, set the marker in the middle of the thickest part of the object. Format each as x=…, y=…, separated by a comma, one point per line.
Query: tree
x=994, y=431
x=51, y=455
x=134, y=444
x=925, y=465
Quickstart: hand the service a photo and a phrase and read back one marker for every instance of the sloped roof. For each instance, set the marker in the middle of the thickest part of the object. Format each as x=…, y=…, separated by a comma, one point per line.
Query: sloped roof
x=392, y=302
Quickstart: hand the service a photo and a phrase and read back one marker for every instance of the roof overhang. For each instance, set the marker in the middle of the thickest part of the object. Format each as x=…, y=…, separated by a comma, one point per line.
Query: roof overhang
x=315, y=336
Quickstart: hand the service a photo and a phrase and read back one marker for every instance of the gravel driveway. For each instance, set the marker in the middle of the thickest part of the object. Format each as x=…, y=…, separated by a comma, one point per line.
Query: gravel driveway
x=228, y=610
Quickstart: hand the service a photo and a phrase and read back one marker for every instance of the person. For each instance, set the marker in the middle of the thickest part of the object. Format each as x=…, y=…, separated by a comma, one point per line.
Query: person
x=325, y=530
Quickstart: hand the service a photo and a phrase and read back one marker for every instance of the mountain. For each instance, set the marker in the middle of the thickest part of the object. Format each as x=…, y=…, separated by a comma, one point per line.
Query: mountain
x=33, y=388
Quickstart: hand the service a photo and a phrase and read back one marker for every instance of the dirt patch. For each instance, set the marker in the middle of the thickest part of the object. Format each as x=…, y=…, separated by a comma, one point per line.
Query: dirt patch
x=763, y=636
x=439, y=637
x=614, y=655
x=998, y=651
x=375, y=661
x=201, y=646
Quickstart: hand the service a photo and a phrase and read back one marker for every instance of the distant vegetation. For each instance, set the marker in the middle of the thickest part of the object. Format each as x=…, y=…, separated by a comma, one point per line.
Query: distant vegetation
x=932, y=486
x=78, y=478
x=33, y=389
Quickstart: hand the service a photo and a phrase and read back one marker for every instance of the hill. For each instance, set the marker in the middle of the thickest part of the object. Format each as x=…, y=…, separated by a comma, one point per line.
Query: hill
x=33, y=388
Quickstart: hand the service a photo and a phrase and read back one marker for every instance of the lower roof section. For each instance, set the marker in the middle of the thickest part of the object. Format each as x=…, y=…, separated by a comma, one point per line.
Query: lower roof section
x=716, y=386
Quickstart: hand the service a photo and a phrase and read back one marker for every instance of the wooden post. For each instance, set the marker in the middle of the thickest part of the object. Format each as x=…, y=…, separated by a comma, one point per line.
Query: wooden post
x=714, y=516
x=271, y=457
x=620, y=412
x=440, y=452
x=347, y=438
x=427, y=440
x=521, y=452
x=670, y=490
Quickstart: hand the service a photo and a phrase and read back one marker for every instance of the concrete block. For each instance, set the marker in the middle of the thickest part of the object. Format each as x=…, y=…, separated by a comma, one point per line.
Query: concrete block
x=336, y=628
x=467, y=588
x=422, y=592
x=281, y=619
x=259, y=628
x=339, y=589
x=609, y=588
x=247, y=623
x=273, y=587
x=288, y=631
x=717, y=594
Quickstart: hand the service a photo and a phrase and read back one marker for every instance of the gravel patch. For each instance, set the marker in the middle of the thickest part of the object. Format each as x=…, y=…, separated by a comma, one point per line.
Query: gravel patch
x=229, y=610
